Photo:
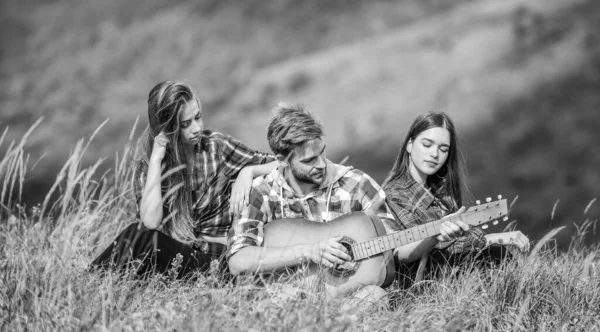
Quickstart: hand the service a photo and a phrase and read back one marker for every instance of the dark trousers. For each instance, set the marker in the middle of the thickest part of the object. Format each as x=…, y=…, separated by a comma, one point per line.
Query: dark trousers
x=147, y=251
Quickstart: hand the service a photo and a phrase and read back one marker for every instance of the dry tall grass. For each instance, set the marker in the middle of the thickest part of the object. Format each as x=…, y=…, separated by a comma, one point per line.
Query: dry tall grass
x=44, y=252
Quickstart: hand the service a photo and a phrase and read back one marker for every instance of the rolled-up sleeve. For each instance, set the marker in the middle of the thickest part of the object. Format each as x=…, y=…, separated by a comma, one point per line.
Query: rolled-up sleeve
x=473, y=240
x=247, y=227
x=236, y=155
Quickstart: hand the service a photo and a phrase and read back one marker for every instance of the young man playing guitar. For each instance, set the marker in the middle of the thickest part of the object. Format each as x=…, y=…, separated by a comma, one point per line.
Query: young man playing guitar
x=307, y=186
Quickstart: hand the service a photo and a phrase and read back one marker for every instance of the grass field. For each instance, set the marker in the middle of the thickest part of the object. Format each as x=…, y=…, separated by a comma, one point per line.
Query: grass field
x=45, y=250
x=80, y=63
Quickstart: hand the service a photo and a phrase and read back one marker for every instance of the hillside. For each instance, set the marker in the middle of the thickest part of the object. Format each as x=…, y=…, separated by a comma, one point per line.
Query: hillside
x=463, y=62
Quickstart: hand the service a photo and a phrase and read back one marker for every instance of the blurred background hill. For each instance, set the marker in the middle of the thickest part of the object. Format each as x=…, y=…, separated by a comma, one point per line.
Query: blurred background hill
x=521, y=80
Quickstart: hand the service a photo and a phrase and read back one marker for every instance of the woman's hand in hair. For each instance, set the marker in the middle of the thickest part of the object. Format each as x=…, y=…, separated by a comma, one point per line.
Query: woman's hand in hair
x=450, y=230
x=515, y=238
x=160, y=146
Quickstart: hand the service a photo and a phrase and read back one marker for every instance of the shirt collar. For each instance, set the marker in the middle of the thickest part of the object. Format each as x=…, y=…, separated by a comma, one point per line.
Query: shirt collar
x=421, y=197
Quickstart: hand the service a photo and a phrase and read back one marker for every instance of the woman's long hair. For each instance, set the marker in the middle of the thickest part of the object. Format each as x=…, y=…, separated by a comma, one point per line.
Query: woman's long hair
x=165, y=103
x=451, y=179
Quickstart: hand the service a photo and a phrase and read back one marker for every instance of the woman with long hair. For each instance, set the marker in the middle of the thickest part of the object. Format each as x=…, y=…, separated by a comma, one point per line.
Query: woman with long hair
x=184, y=188
x=428, y=182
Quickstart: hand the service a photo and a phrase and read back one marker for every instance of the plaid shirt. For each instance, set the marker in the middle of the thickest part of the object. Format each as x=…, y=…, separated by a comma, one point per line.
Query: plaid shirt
x=272, y=198
x=414, y=205
x=218, y=160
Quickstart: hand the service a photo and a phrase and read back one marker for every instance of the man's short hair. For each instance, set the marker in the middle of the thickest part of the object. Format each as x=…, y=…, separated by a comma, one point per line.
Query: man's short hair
x=292, y=126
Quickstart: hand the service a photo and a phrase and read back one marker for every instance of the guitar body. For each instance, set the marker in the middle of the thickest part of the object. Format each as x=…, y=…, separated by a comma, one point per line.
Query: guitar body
x=357, y=227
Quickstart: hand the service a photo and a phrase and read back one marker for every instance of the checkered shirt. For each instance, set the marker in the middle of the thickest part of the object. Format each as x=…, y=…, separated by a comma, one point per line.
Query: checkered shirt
x=218, y=161
x=352, y=191
x=414, y=205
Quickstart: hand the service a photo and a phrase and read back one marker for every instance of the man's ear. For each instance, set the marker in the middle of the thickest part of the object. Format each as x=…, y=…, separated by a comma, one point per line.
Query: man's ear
x=281, y=160
x=409, y=146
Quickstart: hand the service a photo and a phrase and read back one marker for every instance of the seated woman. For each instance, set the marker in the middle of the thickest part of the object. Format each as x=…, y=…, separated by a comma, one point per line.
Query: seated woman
x=428, y=182
x=182, y=186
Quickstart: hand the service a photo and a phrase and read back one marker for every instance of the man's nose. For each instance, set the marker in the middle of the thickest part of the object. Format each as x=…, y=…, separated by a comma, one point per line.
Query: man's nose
x=322, y=163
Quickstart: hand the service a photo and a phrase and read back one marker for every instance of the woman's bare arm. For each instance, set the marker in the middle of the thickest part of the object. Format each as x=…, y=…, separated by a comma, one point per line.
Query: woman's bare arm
x=151, y=204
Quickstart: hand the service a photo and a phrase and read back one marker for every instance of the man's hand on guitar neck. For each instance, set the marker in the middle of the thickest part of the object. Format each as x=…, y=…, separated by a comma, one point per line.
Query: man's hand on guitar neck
x=328, y=253
x=451, y=230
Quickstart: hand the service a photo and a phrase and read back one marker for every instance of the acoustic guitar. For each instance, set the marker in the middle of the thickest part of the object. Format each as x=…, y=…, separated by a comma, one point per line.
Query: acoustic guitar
x=366, y=242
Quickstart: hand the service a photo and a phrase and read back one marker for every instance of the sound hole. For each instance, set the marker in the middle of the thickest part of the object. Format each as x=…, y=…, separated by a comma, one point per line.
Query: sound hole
x=349, y=268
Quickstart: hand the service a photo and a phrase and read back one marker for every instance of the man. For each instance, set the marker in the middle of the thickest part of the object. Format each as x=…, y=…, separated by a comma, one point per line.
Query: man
x=306, y=185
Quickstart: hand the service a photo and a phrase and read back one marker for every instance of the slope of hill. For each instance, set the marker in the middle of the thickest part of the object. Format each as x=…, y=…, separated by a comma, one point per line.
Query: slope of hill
x=459, y=61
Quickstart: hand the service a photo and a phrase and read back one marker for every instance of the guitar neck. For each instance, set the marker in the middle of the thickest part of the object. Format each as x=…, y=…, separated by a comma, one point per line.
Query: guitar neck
x=397, y=239
x=476, y=215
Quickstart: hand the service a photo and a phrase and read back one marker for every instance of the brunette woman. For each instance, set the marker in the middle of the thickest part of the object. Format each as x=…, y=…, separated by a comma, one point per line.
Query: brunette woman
x=428, y=181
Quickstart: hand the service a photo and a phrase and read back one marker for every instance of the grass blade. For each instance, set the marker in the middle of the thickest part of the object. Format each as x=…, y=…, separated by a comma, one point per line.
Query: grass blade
x=543, y=241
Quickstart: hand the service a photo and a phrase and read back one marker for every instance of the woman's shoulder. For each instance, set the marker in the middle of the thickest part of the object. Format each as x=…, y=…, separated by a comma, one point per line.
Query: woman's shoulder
x=401, y=188
x=217, y=141
x=398, y=196
x=399, y=201
x=216, y=135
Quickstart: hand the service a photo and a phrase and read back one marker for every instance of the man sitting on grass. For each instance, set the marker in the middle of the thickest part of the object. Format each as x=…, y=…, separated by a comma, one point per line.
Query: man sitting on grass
x=306, y=185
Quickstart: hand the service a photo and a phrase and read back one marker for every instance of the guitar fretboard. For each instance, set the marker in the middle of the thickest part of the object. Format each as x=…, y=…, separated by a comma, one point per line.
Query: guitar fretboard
x=475, y=215
x=397, y=239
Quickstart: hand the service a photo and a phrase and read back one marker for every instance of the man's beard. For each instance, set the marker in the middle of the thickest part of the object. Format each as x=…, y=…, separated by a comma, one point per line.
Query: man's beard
x=315, y=178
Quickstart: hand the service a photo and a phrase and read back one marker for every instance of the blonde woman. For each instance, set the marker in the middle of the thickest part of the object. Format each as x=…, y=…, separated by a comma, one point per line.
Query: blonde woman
x=184, y=187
